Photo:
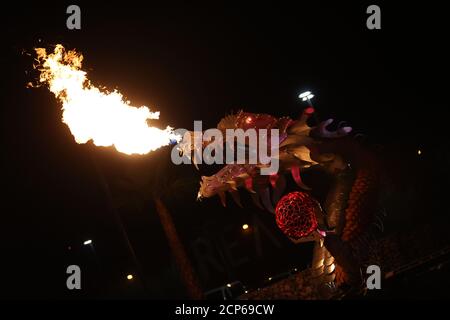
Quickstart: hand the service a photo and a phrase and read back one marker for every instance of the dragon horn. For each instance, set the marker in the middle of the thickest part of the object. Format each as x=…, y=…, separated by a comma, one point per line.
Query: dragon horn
x=232, y=185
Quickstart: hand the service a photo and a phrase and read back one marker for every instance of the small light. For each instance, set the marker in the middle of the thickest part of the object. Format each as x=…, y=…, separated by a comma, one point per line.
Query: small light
x=245, y=226
x=229, y=285
x=270, y=278
x=246, y=291
x=130, y=277
x=87, y=242
x=419, y=152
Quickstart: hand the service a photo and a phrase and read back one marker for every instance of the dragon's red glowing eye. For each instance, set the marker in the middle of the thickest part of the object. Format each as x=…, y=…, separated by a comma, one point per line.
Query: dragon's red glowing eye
x=249, y=120
x=295, y=214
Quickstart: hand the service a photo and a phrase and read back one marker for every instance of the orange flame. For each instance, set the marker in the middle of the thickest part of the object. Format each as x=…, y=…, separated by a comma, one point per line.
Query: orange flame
x=99, y=115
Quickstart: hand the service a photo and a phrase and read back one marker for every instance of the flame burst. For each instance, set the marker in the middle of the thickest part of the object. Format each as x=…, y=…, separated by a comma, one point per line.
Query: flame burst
x=91, y=113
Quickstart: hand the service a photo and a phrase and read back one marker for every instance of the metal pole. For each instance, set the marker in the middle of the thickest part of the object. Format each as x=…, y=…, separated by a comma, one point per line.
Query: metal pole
x=315, y=116
x=105, y=187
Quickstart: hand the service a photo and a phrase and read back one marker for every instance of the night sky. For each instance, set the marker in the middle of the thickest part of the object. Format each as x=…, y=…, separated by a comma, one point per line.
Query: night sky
x=200, y=63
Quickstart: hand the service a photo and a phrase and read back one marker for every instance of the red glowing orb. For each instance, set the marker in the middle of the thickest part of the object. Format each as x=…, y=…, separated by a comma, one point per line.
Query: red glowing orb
x=295, y=214
x=309, y=110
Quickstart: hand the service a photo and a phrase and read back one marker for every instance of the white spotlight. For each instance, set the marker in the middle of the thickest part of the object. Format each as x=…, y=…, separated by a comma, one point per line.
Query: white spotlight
x=304, y=94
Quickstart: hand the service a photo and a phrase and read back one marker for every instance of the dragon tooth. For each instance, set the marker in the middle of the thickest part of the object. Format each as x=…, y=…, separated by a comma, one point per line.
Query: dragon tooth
x=249, y=185
x=223, y=199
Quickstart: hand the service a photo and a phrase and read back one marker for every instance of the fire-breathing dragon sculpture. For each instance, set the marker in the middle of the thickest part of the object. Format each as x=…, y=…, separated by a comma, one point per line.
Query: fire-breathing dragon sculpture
x=351, y=205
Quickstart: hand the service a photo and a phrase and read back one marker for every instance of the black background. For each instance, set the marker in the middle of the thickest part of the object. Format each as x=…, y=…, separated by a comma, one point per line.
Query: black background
x=199, y=63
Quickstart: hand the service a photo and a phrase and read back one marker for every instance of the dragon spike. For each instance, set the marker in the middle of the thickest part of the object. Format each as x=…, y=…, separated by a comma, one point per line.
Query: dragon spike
x=194, y=161
x=223, y=198
x=232, y=185
x=255, y=199
x=273, y=180
x=295, y=171
x=265, y=198
x=279, y=189
x=249, y=185
x=236, y=197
